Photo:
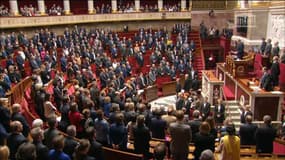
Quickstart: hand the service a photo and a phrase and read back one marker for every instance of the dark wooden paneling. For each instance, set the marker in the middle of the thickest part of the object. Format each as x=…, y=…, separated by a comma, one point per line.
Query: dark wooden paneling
x=151, y=93
x=265, y=106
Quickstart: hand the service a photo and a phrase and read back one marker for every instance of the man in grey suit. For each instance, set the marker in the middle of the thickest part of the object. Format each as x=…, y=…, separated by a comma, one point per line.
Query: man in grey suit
x=180, y=137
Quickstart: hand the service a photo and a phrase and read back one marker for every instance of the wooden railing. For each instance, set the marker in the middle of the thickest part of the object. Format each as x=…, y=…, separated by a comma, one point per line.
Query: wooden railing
x=16, y=94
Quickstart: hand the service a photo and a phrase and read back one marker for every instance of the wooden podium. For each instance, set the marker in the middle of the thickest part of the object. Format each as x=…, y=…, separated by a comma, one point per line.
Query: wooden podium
x=211, y=86
x=246, y=91
x=151, y=93
x=169, y=88
x=239, y=68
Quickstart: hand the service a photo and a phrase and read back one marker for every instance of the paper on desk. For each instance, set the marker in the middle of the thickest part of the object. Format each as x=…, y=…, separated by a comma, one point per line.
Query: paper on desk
x=276, y=92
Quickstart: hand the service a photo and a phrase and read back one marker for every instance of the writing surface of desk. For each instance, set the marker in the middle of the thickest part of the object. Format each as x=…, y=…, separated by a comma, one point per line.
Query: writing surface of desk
x=261, y=101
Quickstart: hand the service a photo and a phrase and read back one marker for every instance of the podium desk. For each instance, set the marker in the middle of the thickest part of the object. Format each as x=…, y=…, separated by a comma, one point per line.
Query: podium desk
x=151, y=93
x=211, y=86
x=246, y=92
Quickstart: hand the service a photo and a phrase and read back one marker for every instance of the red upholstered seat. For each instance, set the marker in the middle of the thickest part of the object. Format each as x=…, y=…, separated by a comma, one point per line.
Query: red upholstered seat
x=278, y=149
x=3, y=63
x=49, y=89
x=161, y=80
x=257, y=67
x=71, y=90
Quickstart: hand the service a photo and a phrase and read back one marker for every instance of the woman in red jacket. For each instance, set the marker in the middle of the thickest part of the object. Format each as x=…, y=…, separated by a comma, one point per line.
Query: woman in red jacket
x=75, y=118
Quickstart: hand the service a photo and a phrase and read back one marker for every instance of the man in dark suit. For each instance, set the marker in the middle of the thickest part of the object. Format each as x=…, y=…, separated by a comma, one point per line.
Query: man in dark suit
x=187, y=83
x=178, y=86
x=247, y=132
x=42, y=150
x=245, y=112
x=262, y=46
x=205, y=108
x=17, y=116
x=158, y=125
x=219, y=112
x=240, y=49
x=180, y=101
x=195, y=83
x=266, y=80
x=181, y=136
x=15, y=139
x=51, y=132
x=275, y=71
x=142, y=81
x=265, y=136
x=95, y=149
x=141, y=137
x=69, y=142
x=5, y=115
x=140, y=59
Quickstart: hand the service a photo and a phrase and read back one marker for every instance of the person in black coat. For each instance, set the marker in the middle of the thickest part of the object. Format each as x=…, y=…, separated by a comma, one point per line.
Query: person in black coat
x=140, y=59
x=180, y=101
x=265, y=136
x=203, y=140
x=37, y=136
x=15, y=139
x=266, y=82
x=178, y=86
x=262, y=46
x=187, y=83
x=275, y=71
x=141, y=137
x=158, y=125
x=95, y=147
x=5, y=115
x=247, y=132
x=57, y=93
x=195, y=83
x=240, y=49
x=82, y=149
x=17, y=116
x=219, y=112
x=69, y=142
x=205, y=108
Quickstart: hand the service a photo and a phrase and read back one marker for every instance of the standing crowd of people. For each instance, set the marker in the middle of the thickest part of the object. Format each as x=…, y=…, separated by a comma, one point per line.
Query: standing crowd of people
x=105, y=107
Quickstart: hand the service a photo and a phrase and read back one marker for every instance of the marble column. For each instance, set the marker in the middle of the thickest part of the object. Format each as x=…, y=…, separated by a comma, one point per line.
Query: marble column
x=90, y=6
x=183, y=5
x=41, y=7
x=137, y=5
x=114, y=5
x=190, y=5
x=160, y=5
x=66, y=7
x=14, y=10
